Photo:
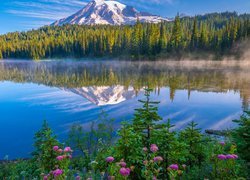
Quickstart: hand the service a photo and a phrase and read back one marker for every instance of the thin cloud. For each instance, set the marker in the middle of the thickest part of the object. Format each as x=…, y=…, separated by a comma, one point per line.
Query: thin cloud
x=44, y=10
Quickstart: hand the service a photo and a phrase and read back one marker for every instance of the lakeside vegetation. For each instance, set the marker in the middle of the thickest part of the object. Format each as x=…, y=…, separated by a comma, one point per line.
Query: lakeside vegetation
x=147, y=148
x=216, y=33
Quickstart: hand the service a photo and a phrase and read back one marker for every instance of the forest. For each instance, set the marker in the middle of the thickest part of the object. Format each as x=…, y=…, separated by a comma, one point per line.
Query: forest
x=218, y=34
x=146, y=147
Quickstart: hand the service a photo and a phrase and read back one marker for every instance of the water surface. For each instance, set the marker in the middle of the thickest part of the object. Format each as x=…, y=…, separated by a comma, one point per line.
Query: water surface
x=67, y=92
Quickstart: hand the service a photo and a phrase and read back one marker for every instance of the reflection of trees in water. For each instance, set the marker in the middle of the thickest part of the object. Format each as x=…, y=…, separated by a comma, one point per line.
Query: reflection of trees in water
x=136, y=74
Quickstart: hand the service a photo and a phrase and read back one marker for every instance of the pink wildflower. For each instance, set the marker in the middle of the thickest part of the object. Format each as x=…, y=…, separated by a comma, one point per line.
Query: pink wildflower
x=145, y=149
x=154, y=178
x=174, y=166
x=110, y=159
x=78, y=177
x=221, y=157
x=55, y=148
x=59, y=158
x=222, y=143
x=57, y=172
x=235, y=156
x=45, y=177
x=153, y=148
x=158, y=159
x=230, y=156
x=124, y=171
x=67, y=149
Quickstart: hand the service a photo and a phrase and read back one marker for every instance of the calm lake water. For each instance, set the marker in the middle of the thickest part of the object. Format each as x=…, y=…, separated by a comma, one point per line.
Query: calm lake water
x=67, y=92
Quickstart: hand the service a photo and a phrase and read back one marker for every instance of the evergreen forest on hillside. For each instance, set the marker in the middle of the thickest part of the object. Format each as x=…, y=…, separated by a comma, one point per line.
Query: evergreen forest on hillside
x=216, y=33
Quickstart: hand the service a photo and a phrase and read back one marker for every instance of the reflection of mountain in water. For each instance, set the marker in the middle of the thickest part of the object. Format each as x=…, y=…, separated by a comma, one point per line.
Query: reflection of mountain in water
x=101, y=78
x=104, y=95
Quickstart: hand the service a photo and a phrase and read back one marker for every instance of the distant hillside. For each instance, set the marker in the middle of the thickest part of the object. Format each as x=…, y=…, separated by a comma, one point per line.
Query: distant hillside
x=216, y=33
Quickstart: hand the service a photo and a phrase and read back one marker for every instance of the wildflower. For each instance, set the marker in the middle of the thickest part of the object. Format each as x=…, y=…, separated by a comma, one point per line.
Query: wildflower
x=145, y=162
x=45, y=177
x=229, y=156
x=57, y=172
x=69, y=156
x=153, y=148
x=221, y=157
x=184, y=166
x=222, y=143
x=110, y=159
x=123, y=164
x=55, y=148
x=78, y=177
x=158, y=159
x=59, y=158
x=154, y=178
x=174, y=166
x=67, y=149
x=124, y=171
x=145, y=149
x=235, y=156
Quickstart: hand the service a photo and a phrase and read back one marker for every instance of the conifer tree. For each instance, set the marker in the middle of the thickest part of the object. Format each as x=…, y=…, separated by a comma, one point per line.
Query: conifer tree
x=145, y=118
x=193, y=138
x=43, y=154
x=195, y=35
x=176, y=33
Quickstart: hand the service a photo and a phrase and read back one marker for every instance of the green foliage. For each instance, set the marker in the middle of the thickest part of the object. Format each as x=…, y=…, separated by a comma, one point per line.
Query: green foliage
x=90, y=143
x=193, y=138
x=145, y=118
x=43, y=155
x=241, y=137
x=172, y=150
x=214, y=32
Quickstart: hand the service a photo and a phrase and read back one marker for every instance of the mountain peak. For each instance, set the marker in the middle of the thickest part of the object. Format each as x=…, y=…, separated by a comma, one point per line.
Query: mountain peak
x=108, y=12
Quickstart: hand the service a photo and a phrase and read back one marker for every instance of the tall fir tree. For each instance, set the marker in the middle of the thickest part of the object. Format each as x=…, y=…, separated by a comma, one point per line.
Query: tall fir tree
x=145, y=118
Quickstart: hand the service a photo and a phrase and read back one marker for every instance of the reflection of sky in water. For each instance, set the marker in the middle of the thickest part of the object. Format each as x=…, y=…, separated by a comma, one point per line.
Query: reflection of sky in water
x=23, y=107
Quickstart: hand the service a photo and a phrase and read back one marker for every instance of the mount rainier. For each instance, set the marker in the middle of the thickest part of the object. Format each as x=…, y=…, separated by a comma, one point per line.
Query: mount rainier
x=108, y=12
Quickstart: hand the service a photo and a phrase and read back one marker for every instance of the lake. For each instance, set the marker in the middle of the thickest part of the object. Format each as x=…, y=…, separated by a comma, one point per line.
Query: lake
x=67, y=92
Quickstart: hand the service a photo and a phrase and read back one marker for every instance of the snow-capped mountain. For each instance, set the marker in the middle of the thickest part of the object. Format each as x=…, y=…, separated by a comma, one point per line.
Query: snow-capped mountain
x=104, y=95
x=108, y=12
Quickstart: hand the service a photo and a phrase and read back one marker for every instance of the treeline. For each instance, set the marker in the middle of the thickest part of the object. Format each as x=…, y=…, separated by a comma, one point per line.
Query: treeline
x=214, y=33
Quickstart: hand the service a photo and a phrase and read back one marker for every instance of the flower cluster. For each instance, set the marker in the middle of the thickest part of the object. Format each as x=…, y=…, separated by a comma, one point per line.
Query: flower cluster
x=174, y=167
x=154, y=148
x=158, y=159
x=123, y=170
x=67, y=153
x=57, y=172
x=63, y=161
x=54, y=173
x=228, y=156
x=110, y=159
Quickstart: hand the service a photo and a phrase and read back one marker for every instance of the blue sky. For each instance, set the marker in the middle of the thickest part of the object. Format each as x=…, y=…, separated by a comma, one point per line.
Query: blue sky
x=21, y=15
